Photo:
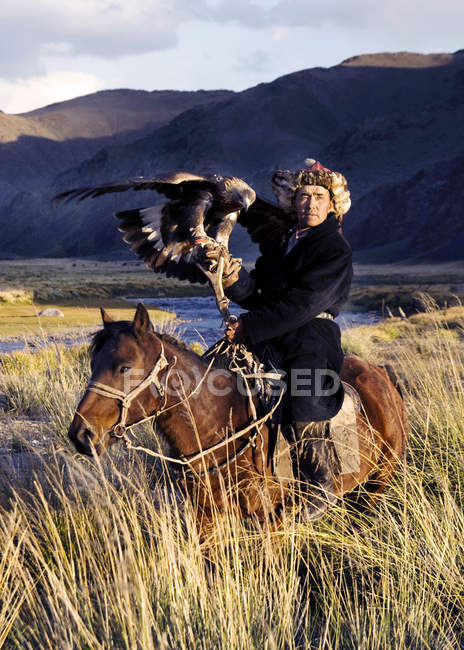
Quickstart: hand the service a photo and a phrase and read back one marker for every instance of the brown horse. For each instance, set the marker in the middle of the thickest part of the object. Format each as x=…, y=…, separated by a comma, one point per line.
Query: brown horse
x=138, y=375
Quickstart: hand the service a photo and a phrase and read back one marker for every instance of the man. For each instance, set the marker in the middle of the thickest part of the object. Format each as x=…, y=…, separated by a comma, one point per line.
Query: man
x=296, y=289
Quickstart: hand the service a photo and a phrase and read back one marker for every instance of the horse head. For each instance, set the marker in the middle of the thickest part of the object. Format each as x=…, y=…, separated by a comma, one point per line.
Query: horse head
x=127, y=362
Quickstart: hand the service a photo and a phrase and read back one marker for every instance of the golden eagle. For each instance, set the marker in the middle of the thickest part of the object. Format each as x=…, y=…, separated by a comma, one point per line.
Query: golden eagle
x=201, y=211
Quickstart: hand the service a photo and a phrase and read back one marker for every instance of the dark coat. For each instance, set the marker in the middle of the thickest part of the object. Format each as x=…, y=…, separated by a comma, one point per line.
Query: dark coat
x=285, y=293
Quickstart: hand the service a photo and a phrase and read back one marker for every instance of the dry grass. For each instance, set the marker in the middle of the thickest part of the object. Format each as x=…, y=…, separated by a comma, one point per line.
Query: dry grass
x=107, y=555
x=16, y=296
x=393, y=286
x=443, y=272
x=422, y=330
x=22, y=321
x=88, y=282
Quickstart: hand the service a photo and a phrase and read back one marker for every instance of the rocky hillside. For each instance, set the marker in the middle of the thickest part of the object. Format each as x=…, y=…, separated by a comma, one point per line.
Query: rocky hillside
x=36, y=147
x=115, y=112
x=391, y=122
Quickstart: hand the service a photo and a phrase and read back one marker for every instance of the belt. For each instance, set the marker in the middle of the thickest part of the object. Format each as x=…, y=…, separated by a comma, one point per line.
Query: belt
x=325, y=314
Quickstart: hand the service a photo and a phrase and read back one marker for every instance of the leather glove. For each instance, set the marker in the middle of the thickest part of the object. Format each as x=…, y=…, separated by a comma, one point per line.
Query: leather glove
x=232, y=265
x=235, y=332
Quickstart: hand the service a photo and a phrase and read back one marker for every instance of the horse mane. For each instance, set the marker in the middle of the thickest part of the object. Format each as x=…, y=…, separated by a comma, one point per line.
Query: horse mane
x=123, y=326
x=168, y=338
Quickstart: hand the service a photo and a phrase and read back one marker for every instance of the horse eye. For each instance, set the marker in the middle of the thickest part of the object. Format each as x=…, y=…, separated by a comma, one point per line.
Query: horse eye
x=124, y=369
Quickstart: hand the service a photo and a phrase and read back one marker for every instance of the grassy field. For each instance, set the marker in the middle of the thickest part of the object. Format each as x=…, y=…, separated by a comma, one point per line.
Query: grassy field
x=77, y=288
x=88, y=282
x=104, y=555
x=81, y=282
x=386, y=287
x=22, y=321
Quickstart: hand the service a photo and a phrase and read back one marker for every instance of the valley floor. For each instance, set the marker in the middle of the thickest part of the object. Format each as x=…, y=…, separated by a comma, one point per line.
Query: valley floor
x=78, y=286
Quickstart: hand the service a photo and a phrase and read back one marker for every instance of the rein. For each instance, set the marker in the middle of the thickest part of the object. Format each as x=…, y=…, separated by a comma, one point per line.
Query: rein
x=120, y=429
x=201, y=454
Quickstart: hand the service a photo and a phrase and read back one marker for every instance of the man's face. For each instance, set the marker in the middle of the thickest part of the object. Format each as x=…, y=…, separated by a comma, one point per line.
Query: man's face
x=312, y=205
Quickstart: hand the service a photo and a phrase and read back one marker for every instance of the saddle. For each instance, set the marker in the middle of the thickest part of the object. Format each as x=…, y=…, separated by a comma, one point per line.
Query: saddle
x=262, y=376
x=343, y=433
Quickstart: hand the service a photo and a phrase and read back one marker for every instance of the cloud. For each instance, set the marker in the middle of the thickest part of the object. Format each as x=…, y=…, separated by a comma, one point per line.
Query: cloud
x=104, y=28
x=177, y=43
x=256, y=62
x=113, y=29
x=280, y=33
x=294, y=13
x=345, y=14
x=27, y=94
x=260, y=14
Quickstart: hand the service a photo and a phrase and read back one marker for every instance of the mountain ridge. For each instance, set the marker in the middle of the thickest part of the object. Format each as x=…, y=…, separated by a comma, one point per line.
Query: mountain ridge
x=381, y=125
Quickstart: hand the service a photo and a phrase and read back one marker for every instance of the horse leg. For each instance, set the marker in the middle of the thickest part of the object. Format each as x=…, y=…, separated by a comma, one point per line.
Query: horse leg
x=380, y=478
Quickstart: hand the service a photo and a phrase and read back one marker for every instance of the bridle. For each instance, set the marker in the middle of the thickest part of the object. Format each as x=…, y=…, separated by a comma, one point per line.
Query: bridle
x=120, y=429
x=126, y=399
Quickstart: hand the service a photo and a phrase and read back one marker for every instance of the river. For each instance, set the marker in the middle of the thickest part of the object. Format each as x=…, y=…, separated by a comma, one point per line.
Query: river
x=197, y=320
x=201, y=320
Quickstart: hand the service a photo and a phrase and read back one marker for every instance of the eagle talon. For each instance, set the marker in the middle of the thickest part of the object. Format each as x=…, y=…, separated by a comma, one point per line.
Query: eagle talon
x=207, y=253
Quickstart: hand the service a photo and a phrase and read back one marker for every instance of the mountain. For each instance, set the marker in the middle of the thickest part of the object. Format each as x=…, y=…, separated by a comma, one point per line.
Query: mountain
x=391, y=122
x=36, y=147
x=114, y=112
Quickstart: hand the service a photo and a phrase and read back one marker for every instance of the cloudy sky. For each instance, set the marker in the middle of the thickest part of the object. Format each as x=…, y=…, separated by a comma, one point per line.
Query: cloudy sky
x=53, y=50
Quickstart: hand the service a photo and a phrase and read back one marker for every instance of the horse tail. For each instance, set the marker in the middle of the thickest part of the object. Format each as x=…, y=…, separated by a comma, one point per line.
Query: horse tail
x=393, y=377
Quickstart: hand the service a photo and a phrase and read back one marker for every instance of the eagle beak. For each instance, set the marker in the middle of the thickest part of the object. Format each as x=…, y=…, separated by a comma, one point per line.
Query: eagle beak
x=246, y=204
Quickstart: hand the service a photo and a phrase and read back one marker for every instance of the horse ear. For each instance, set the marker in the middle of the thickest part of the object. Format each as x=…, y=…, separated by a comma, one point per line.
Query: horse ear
x=106, y=318
x=141, y=323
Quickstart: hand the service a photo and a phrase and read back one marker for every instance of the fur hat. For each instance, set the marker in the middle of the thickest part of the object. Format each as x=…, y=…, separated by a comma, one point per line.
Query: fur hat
x=285, y=183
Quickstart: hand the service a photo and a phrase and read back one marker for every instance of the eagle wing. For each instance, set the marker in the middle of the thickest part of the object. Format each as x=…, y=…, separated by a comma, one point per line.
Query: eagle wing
x=151, y=235
x=170, y=184
x=161, y=235
x=265, y=221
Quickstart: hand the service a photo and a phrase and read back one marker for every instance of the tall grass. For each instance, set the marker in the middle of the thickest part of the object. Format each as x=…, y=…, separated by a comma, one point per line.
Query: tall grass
x=106, y=555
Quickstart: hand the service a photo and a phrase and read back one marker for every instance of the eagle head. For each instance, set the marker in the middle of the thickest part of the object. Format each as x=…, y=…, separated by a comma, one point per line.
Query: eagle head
x=248, y=197
x=239, y=194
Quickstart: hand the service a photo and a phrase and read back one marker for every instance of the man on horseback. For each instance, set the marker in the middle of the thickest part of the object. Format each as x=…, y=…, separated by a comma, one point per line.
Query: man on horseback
x=294, y=292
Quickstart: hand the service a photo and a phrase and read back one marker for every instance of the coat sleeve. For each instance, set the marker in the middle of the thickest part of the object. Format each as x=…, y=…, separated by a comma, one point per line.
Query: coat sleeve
x=245, y=291
x=321, y=283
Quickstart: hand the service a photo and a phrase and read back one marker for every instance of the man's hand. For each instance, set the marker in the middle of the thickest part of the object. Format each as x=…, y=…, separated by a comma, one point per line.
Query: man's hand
x=235, y=332
x=232, y=266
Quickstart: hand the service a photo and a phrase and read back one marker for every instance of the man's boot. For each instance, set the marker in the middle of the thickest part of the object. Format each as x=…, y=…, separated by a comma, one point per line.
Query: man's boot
x=315, y=464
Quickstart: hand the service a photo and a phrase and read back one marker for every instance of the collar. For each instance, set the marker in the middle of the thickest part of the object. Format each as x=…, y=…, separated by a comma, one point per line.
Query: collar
x=327, y=227
x=302, y=232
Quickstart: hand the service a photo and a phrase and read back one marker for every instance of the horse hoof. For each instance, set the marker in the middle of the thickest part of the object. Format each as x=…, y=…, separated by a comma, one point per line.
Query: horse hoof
x=315, y=504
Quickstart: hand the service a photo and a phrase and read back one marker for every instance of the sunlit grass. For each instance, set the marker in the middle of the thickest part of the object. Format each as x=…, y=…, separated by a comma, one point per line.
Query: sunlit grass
x=23, y=320
x=108, y=556
x=16, y=296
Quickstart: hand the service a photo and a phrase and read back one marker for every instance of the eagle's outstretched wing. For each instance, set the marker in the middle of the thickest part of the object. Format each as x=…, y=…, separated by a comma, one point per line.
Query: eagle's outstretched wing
x=170, y=184
x=265, y=221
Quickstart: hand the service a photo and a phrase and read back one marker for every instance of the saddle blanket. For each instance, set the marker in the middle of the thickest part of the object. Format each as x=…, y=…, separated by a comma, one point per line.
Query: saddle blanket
x=343, y=432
